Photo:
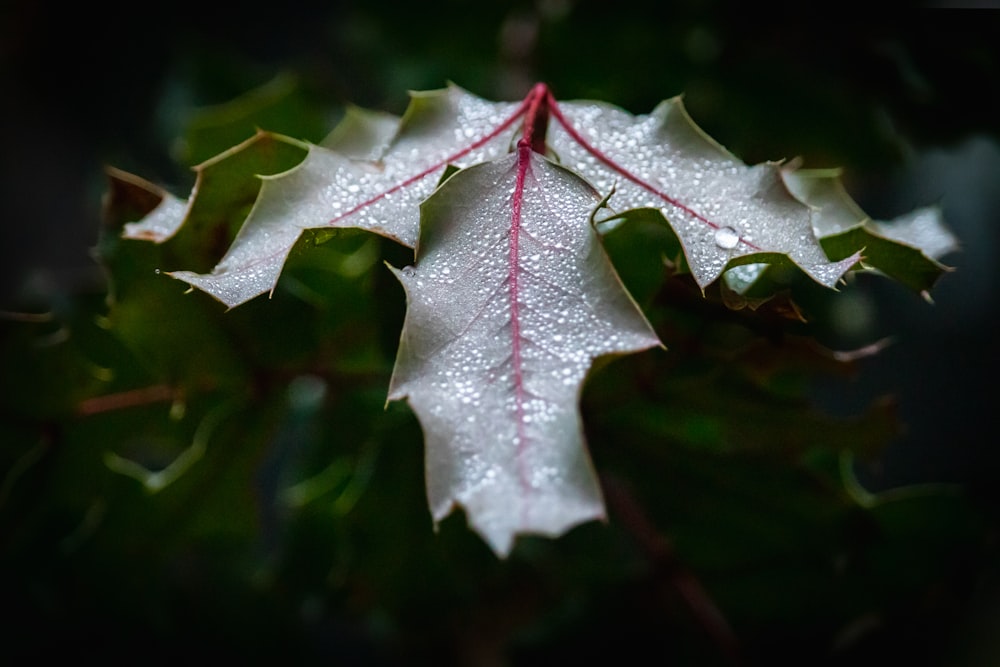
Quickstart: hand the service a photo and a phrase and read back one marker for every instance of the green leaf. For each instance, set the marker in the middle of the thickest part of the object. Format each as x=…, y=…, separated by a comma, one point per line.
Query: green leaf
x=281, y=105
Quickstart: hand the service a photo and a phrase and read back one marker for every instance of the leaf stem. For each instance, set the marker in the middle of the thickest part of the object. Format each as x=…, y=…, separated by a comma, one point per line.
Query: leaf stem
x=535, y=108
x=537, y=117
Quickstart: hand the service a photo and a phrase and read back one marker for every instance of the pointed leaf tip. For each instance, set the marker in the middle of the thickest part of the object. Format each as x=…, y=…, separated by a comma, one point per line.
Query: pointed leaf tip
x=161, y=223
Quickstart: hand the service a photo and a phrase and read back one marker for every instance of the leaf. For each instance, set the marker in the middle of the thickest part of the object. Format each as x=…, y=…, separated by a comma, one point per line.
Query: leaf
x=362, y=134
x=161, y=223
x=225, y=188
x=723, y=211
x=333, y=189
x=510, y=301
x=186, y=353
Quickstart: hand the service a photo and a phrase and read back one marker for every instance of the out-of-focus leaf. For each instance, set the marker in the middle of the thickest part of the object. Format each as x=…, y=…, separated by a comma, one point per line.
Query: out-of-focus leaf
x=163, y=329
x=281, y=105
x=907, y=248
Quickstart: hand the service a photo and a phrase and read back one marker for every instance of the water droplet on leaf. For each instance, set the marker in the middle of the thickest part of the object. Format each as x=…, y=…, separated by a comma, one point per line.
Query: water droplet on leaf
x=726, y=238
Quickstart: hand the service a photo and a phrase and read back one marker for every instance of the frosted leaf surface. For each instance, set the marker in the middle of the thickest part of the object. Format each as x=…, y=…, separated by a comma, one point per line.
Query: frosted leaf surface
x=331, y=189
x=505, y=316
x=720, y=208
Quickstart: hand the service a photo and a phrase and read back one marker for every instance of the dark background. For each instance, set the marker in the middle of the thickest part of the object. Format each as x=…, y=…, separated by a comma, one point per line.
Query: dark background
x=908, y=108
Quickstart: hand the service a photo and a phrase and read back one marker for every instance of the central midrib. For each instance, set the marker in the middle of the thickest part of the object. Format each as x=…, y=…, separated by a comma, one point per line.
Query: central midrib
x=532, y=139
x=514, y=286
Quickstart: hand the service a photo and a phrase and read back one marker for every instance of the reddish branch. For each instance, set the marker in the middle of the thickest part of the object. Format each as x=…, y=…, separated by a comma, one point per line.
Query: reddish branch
x=668, y=569
x=156, y=393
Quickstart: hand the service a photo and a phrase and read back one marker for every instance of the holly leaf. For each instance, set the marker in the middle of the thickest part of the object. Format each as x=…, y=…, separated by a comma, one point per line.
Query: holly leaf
x=349, y=189
x=159, y=224
x=200, y=228
x=510, y=301
x=724, y=212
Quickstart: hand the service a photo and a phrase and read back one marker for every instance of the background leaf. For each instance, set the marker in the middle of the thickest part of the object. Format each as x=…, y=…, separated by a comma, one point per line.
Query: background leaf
x=907, y=249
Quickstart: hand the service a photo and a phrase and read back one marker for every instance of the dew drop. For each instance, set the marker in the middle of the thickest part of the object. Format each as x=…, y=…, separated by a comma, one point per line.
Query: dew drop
x=408, y=271
x=726, y=238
